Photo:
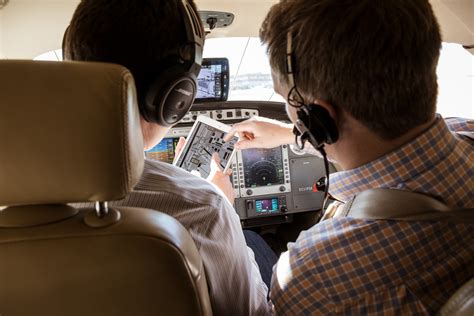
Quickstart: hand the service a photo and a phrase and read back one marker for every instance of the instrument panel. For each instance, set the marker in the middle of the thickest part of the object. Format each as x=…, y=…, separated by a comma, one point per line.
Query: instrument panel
x=270, y=185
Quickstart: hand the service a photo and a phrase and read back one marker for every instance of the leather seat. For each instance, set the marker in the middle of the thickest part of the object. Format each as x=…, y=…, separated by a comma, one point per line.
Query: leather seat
x=461, y=303
x=70, y=132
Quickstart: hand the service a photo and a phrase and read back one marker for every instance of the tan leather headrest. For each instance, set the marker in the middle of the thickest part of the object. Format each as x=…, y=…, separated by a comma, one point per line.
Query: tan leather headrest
x=69, y=132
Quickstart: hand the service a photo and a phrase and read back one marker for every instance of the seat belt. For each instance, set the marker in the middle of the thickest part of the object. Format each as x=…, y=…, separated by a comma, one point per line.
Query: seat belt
x=392, y=204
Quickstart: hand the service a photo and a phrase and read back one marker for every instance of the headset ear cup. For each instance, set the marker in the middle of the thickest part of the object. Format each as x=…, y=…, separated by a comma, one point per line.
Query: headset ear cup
x=170, y=96
x=320, y=125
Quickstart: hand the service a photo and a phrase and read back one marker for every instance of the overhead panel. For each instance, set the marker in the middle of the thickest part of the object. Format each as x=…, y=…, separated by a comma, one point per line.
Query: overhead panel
x=248, y=14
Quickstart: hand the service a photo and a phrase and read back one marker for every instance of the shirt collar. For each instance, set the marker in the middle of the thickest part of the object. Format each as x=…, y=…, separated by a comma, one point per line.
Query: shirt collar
x=398, y=166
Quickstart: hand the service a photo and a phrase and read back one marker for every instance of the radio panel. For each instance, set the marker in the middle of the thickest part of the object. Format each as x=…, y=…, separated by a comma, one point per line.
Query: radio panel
x=272, y=205
x=221, y=115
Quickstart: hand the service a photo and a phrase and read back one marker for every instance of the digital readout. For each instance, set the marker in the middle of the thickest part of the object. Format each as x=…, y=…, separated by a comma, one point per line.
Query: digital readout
x=266, y=206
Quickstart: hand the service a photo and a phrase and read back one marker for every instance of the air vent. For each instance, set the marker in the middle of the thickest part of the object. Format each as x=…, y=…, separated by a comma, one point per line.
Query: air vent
x=215, y=19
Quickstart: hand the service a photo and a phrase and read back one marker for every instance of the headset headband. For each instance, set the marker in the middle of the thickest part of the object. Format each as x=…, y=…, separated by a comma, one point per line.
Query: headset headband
x=289, y=59
x=194, y=35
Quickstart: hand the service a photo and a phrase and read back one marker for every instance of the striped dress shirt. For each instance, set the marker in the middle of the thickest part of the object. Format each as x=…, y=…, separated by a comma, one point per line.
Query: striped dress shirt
x=350, y=266
x=234, y=281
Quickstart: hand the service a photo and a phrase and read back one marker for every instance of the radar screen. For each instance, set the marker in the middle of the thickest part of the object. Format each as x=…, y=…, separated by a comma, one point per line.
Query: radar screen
x=205, y=141
x=263, y=167
x=164, y=151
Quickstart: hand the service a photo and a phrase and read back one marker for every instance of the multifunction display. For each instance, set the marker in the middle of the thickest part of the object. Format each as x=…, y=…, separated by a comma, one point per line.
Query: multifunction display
x=263, y=167
x=213, y=80
x=263, y=171
x=164, y=151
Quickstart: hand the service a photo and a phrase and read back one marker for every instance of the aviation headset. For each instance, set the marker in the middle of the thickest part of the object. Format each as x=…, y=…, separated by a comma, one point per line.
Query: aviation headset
x=172, y=93
x=314, y=124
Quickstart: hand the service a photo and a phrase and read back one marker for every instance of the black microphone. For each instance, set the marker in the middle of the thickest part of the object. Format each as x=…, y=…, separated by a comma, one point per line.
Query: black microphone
x=300, y=138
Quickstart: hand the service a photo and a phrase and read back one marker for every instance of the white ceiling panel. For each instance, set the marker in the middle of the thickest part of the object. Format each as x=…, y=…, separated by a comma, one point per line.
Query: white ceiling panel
x=31, y=27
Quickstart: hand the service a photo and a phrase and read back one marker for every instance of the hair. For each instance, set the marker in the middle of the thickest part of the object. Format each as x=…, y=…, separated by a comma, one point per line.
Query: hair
x=141, y=35
x=376, y=60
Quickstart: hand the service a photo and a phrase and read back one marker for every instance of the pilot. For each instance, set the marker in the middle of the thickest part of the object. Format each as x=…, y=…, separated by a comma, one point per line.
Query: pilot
x=361, y=77
x=145, y=36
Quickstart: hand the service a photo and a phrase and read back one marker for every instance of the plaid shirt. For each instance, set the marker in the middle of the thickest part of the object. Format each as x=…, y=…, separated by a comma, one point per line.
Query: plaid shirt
x=366, y=267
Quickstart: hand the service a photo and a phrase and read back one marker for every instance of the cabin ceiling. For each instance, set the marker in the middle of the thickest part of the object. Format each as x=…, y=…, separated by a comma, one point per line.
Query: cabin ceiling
x=31, y=27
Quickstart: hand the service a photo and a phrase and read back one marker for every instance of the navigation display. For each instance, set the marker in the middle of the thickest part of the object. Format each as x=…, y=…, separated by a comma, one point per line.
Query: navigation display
x=202, y=143
x=263, y=167
x=164, y=151
x=266, y=206
x=213, y=80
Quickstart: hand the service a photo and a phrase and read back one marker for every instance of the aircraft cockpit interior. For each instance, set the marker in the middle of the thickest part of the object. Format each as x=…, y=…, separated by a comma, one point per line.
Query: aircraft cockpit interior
x=270, y=185
x=364, y=206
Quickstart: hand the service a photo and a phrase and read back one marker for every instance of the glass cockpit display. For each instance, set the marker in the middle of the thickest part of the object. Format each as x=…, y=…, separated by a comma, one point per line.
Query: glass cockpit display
x=213, y=80
x=164, y=151
x=263, y=167
x=266, y=206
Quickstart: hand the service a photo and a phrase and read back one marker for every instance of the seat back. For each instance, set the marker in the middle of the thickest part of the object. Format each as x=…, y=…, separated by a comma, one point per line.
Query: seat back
x=71, y=133
x=461, y=303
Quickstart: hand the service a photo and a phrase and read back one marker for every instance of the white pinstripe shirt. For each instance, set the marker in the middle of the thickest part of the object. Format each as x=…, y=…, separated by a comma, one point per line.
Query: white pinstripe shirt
x=234, y=281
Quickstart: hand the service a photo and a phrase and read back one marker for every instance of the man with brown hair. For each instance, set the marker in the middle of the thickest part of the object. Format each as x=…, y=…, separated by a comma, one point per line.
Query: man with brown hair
x=370, y=67
x=145, y=37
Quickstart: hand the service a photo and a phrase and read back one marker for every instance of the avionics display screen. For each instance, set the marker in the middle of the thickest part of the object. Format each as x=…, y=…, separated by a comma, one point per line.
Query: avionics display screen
x=263, y=167
x=266, y=206
x=164, y=151
x=213, y=80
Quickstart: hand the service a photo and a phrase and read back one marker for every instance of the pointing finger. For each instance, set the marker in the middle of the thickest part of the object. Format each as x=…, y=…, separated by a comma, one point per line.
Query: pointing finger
x=247, y=144
x=241, y=128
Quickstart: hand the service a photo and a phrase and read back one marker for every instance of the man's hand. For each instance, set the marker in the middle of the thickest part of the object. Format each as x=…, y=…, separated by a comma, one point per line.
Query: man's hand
x=179, y=148
x=261, y=132
x=221, y=179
